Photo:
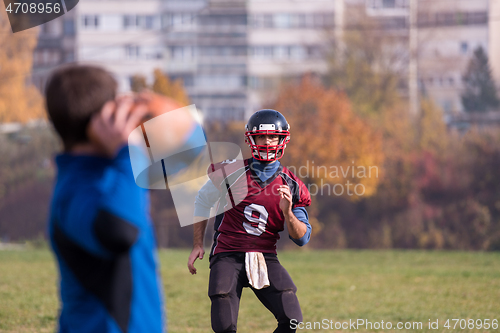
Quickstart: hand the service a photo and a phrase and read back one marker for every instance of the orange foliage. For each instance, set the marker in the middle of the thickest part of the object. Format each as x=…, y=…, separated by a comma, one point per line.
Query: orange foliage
x=328, y=139
x=163, y=85
x=19, y=100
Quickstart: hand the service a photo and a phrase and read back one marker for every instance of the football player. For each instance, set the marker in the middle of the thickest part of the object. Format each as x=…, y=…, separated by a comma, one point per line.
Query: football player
x=99, y=224
x=243, y=253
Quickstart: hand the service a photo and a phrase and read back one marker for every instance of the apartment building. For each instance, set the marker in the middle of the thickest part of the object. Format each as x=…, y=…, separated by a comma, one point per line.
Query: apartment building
x=494, y=39
x=123, y=36
x=232, y=55
x=56, y=45
x=448, y=32
x=286, y=40
x=208, y=44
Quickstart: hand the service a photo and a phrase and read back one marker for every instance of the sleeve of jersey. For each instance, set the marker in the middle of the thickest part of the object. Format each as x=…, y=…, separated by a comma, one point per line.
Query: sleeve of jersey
x=304, y=196
x=206, y=199
x=301, y=214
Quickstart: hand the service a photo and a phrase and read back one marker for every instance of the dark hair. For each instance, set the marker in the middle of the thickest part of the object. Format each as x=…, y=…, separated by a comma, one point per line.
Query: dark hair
x=73, y=94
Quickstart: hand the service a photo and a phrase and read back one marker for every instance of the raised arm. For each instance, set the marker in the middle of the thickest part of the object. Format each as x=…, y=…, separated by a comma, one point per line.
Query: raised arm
x=296, y=228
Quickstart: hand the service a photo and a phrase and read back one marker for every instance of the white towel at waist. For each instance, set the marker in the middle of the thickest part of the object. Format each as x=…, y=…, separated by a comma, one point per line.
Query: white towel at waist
x=256, y=267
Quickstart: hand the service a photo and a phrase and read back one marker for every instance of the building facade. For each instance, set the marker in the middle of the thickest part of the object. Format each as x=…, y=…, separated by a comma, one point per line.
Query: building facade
x=208, y=43
x=447, y=32
x=232, y=55
x=56, y=45
x=125, y=36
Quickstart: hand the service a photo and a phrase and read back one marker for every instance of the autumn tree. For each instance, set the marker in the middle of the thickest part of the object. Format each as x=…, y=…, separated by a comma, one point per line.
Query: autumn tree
x=367, y=63
x=138, y=83
x=162, y=85
x=338, y=154
x=334, y=144
x=432, y=131
x=480, y=93
x=165, y=86
x=20, y=101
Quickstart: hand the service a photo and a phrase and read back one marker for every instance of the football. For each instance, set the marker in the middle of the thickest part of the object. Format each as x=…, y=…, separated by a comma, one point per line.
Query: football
x=156, y=104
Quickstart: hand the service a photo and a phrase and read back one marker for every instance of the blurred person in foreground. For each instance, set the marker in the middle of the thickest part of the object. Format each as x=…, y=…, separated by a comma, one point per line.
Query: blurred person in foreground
x=100, y=228
x=243, y=253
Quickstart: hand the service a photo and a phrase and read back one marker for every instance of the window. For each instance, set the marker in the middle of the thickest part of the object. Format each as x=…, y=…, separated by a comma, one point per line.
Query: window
x=50, y=57
x=261, y=21
x=45, y=28
x=281, y=52
x=69, y=27
x=178, y=52
x=221, y=51
x=297, y=52
x=298, y=20
x=464, y=47
x=447, y=105
x=90, y=21
x=267, y=20
x=262, y=52
x=225, y=113
x=256, y=21
x=282, y=21
x=132, y=51
x=219, y=81
x=223, y=20
x=253, y=82
x=314, y=52
x=129, y=21
x=389, y=3
x=317, y=20
x=285, y=52
x=147, y=22
x=187, y=80
x=394, y=23
x=476, y=17
x=69, y=56
x=52, y=28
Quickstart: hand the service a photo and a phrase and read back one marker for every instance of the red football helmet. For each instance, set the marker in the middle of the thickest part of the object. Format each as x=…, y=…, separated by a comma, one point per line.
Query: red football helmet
x=266, y=122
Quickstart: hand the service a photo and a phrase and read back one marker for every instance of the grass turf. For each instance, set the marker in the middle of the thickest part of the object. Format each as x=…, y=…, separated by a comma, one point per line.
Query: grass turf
x=395, y=286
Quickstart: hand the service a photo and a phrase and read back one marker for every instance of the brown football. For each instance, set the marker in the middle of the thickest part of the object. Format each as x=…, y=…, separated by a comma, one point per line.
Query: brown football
x=169, y=132
x=157, y=104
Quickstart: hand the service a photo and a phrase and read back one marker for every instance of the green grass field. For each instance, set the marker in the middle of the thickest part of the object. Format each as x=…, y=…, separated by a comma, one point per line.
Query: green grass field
x=395, y=286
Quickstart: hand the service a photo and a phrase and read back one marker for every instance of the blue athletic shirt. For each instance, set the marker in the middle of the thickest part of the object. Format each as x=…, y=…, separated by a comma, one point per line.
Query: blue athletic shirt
x=209, y=194
x=102, y=236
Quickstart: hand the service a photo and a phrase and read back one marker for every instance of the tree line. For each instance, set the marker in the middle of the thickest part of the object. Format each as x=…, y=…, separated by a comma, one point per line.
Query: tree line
x=434, y=187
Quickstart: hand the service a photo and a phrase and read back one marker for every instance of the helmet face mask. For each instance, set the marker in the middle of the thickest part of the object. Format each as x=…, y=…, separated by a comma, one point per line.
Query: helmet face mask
x=267, y=122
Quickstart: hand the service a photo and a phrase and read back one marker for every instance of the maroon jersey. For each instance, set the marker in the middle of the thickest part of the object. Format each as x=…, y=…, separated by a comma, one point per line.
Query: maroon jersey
x=249, y=218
